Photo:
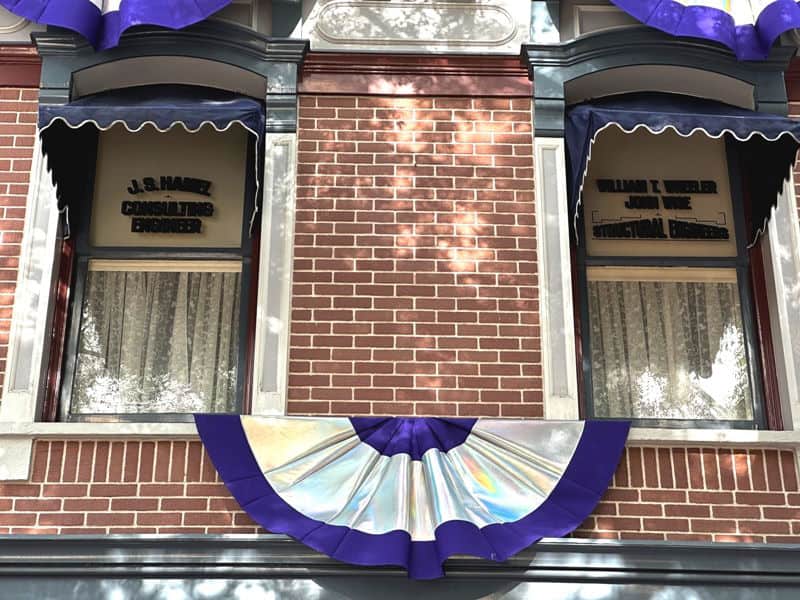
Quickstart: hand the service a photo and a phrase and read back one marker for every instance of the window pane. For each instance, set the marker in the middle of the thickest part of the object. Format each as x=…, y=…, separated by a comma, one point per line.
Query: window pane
x=155, y=341
x=668, y=349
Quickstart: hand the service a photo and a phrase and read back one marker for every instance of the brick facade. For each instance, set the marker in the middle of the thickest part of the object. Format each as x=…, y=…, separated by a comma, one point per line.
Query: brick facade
x=415, y=288
x=676, y=494
x=700, y=494
x=121, y=487
x=18, y=113
x=414, y=292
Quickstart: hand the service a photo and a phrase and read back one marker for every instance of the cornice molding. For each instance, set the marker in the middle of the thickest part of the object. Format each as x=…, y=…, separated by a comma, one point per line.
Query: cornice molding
x=552, y=66
x=20, y=66
x=413, y=74
x=276, y=60
x=633, y=42
x=149, y=41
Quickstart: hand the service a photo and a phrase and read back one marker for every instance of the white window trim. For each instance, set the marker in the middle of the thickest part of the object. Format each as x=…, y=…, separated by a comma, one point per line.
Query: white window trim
x=33, y=294
x=782, y=251
x=556, y=318
x=270, y=385
x=27, y=353
x=27, y=357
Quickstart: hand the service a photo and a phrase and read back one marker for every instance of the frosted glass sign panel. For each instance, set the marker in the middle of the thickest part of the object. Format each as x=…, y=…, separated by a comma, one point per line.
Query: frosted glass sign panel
x=172, y=189
x=158, y=338
x=658, y=195
x=668, y=344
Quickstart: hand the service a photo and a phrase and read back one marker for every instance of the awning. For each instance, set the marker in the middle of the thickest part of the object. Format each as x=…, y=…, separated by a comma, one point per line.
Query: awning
x=746, y=27
x=162, y=107
x=67, y=130
x=411, y=492
x=769, y=142
x=102, y=22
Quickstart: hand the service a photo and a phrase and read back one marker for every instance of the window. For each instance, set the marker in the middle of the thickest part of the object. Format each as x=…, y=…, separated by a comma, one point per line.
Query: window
x=665, y=284
x=161, y=284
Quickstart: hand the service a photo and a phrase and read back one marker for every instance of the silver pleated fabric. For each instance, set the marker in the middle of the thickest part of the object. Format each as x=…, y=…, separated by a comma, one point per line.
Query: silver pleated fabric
x=503, y=471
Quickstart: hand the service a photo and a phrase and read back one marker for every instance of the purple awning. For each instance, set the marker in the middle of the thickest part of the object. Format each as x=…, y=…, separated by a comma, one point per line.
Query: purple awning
x=748, y=28
x=102, y=22
x=412, y=492
x=768, y=142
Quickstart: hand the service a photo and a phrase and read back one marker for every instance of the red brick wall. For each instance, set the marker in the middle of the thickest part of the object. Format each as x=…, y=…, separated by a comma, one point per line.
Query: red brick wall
x=120, y=487
x=18, y=112
x=414, y=293
x=720, y=495
x=172, y=487
x=415, y=287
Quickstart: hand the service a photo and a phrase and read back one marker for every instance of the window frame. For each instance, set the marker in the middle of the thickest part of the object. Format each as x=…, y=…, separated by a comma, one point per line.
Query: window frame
x=741, y=264
x=83, y=252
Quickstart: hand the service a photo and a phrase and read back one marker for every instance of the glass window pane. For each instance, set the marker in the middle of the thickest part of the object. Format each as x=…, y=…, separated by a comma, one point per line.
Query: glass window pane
x=158, y=342
x=662, y=348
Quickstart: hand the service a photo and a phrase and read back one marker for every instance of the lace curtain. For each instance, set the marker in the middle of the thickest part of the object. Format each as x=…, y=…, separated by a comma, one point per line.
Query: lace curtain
x=668, y=350
x=158, y=342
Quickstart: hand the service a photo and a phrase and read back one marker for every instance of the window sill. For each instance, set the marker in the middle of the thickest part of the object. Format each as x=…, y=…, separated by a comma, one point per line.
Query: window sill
x=639, y=435
x=16, y=439
x=97, y=430
x=649, y=436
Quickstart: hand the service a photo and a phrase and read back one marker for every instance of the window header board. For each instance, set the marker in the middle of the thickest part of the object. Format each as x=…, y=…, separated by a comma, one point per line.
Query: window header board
x=169, y=189
x=658, y=195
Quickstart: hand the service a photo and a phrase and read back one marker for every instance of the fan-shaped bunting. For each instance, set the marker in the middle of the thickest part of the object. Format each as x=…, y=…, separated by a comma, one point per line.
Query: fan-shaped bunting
x=411, y=492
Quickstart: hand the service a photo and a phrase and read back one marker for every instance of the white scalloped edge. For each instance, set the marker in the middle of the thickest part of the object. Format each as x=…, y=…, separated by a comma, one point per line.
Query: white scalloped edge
x=646, y=127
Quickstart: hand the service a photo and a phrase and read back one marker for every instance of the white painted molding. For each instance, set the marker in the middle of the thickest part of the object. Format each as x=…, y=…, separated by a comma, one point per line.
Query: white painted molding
x=477, y=26
x=30, y=321
x=741, y=438
x=271, y=356
x=15, y=459
x=559, y=369
x=92, y=431
x=639, y=436
x=781, y=251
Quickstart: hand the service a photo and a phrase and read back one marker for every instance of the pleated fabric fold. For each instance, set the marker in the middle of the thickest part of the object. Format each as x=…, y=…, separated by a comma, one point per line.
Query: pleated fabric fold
x=411, y=492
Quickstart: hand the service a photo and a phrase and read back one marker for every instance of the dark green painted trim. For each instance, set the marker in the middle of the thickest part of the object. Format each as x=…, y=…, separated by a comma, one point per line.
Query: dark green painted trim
x=286, y=14
x=552, y=66
x=277, y=60
x=270, y=556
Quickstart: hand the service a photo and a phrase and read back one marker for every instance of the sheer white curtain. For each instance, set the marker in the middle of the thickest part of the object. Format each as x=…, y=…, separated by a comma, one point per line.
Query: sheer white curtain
x=158, y=342
x=668, y=349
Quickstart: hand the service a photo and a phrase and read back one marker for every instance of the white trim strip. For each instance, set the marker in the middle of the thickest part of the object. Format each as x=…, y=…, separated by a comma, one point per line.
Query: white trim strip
x=167, y=266
x=639, y=436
